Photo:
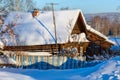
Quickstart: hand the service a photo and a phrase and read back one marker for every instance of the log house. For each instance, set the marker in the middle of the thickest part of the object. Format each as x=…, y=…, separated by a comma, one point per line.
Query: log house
x=78, y=25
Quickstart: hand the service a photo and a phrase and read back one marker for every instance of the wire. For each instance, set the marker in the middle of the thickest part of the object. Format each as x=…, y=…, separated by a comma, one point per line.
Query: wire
x=46, y=29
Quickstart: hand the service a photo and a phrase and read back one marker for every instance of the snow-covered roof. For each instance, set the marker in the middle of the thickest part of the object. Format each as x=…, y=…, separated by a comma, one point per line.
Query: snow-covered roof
x=89, y=28
x=40, y=29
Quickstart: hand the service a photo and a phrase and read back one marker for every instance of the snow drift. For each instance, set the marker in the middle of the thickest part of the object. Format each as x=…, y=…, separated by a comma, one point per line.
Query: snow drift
x=107, y=70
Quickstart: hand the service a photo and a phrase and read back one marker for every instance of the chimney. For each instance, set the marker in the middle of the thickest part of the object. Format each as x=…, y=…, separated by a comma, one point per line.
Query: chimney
x=35, y=12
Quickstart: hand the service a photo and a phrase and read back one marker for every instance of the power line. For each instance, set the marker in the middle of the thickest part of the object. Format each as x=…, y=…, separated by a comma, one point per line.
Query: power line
x=54, y=21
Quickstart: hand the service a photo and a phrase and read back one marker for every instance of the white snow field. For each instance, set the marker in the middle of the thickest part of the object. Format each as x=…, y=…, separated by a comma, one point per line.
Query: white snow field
x=107, y=70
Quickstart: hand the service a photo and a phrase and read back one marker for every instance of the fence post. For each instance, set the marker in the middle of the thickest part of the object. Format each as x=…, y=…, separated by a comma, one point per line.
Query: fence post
x=26, y=60
x=47, y=62
x=41, y=63
x=58, y=62
x=53, y=60
x=72, y=62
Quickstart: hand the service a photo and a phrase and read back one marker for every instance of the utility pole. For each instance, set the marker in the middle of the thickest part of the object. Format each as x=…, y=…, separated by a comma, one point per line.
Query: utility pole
x=54, y=22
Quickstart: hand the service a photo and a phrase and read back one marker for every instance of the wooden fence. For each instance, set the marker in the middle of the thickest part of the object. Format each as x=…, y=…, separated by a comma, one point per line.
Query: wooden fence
x=47, y=62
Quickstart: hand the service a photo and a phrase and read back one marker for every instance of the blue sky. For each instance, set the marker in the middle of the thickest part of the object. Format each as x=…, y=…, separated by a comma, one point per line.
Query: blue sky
x=87, y=6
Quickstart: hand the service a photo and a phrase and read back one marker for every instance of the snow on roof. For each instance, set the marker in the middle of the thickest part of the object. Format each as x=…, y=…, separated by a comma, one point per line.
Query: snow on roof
x=36, y=30
x=110, y=41
x=89, y=28
x=40, y=29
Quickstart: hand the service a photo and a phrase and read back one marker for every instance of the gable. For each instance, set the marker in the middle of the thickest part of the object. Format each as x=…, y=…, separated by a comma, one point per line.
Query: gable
x=79, y=25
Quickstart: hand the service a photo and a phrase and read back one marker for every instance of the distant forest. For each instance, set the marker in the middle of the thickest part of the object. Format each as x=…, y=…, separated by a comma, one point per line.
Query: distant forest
x=106, y=23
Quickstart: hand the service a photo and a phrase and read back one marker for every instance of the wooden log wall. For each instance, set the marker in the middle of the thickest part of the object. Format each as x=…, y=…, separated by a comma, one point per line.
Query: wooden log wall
x=101, y=41
x=52, y=48
x=56, y=60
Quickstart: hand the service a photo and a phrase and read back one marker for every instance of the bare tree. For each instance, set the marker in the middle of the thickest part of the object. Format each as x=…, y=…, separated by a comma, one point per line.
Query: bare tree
x=105, y=25
x=25, y=5
x=16, y=5
x=64, y=8
x=96, y=22
x=4, y=6
x=115, y=25
x=9, y=32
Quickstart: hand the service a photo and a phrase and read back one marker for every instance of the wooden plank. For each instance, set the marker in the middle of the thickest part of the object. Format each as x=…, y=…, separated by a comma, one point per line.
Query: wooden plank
x=7, y=65
x=94, y=37
x=30, y=48
x=52, y=48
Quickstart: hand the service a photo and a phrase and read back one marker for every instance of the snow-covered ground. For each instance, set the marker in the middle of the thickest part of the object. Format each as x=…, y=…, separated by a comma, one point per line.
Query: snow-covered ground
x=117, y=43
x=107, y=70
x=6, y=60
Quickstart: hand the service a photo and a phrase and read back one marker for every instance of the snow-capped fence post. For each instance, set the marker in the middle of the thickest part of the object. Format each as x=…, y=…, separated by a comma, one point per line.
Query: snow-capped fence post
x=26, y=56
x=17, y=60
x=47, y=62
x=58, y=60
x=30, y=60
x=36, y=59
x=42, y=59
x=53, y=60
x=39, y=60
x=61, y=67
x=75, y=62
x=78, y=62
x=64, y=65
x=21, y=60
x=72, y=62
x=68, y=63
x=13, y=56
x=33, y=60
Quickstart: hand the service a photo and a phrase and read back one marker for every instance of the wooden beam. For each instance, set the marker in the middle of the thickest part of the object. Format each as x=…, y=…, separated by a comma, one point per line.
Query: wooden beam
x=46, y=48
x=94, y=37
